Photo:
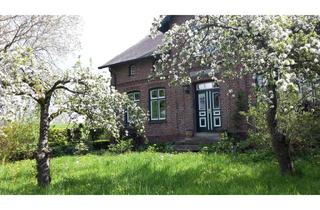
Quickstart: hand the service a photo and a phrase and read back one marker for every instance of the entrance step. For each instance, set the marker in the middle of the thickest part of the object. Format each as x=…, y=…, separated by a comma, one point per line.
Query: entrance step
x=207, y=135
x=199, y=138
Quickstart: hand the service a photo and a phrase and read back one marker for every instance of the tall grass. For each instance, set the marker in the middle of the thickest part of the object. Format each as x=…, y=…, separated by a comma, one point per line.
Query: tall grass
x=159, y=173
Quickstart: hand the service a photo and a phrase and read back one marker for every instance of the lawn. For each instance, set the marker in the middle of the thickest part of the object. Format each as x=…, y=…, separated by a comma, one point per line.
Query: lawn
x=161, y=173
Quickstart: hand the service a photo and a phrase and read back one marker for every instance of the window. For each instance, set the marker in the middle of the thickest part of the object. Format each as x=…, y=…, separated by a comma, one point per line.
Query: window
x=158, y=104
x=260, y=81
x=157, y=66
x=202, y=101
x=132, y=70
x=207, y=85
x=203, y=122
x=216, y=121
x=216, y=101
x=134, y=96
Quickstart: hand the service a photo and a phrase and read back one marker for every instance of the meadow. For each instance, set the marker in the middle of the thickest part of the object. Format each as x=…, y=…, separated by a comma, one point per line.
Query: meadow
x=150, y=173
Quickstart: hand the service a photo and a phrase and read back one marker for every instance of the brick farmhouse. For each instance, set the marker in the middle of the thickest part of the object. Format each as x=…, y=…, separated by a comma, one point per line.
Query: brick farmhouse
x=176, y=112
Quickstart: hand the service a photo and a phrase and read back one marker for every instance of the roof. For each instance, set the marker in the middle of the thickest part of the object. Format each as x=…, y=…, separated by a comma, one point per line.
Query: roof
x=142, y=49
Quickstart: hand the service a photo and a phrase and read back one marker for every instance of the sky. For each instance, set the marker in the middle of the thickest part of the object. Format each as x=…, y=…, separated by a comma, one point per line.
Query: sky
x=107, y=35
x=112, y=26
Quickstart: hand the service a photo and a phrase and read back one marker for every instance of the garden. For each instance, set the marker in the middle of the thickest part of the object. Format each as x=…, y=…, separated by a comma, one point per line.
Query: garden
x=63, y=131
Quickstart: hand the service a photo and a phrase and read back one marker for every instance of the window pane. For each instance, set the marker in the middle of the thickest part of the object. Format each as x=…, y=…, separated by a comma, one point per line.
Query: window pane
x=158, y=66
x=137, y=96
x=154, y=93
x=202, y=101
x=203, y=122
x=132, y=70
x=162, y=109
x=161, y=93
x=207, y=85
x=216, y=102
x=131, y=96
x=217, y=121
x=154, y=110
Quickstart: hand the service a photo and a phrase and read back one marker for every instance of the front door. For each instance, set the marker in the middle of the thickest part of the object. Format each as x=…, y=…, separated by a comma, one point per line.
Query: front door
x=208, y=107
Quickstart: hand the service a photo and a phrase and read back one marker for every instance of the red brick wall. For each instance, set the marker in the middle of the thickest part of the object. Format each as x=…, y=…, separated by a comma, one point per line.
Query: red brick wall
x=170, y=128
x=180, y=104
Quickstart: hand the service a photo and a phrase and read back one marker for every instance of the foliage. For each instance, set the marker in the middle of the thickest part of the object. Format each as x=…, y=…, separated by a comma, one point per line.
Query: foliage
x=139, y=139
x=241, y=106
x=121, y=146
x=100, y=144
x=284, y=49
x=18, y=140
x=161, y=147
x=146, y=173
x=258, y=134
x=58, y=137
x=151, y=148
x=226, y=144
x=81, y=148
x=50, y=37
x=303, y=130
x=301, y=127
x=78, y=91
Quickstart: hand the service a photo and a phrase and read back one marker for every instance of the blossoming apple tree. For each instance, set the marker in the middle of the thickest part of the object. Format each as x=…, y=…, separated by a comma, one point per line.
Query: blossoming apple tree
x=283, y=50
x=27, y=73
x=77, y=90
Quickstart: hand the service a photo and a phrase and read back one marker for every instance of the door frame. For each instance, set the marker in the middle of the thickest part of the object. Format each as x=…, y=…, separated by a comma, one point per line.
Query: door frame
x=211, y=124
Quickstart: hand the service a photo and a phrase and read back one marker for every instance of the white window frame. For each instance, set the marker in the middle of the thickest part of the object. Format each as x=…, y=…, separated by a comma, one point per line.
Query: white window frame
x=214, y=100
x=205, y=122
x=201, y=94
x=214, y=121
x=158, y=98
x=132, y=70
x=207, y=86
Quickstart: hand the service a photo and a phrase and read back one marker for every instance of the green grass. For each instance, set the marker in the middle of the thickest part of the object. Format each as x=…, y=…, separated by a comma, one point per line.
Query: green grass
x=159, y=173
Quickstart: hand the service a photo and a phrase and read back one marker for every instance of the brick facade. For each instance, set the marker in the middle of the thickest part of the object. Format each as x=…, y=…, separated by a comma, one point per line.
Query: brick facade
x=180, y=101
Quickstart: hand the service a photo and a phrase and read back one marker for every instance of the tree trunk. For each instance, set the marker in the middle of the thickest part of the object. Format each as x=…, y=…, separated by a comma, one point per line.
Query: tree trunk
x=279, y=141
x=43, y=165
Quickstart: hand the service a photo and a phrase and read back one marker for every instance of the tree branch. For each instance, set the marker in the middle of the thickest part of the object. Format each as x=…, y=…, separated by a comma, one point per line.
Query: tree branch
x=69, y=90
x=28, y=94
x=56, y=114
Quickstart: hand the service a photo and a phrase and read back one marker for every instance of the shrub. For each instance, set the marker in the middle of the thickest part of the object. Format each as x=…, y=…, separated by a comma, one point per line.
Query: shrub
x=165, y=147
x=81, y=148
x=258, y=134
x=100, y=144
x=152, y=148
x=18, y=140
x=224, y=145
x=121, y=146
x=58, y=140
x=301, y=126
x=241, y=103
x=58, y=137
x=304, y=133
x=138, y=141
